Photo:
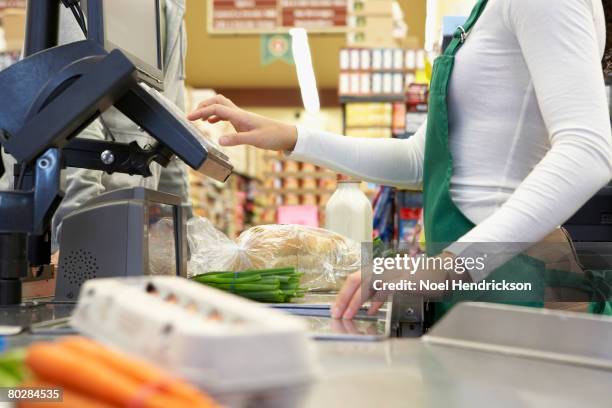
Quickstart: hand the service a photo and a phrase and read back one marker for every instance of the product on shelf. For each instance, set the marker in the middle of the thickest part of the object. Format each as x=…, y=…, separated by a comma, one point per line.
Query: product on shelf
x=379, y=72
x=300, y=184
x=371, y=30
x=309, y=183
x=370, y=132
x=384, y=222
x=298, y=214
x=409, y=229
x=291, y=166
x=383, y=7
x=349, y=211
x=292, y=199
x=399, y=118
x=308, y=168
x=291, y=183
x=369, y=114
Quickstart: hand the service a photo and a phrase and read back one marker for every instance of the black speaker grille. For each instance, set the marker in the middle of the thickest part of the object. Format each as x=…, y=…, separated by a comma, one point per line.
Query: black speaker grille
x=80, y=265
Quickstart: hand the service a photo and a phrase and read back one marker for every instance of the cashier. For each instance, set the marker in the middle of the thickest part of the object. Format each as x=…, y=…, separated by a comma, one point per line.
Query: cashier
x=517, y=138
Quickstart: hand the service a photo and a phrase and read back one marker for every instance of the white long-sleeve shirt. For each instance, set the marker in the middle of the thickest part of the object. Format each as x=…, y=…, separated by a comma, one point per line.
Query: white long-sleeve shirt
x=528, y=119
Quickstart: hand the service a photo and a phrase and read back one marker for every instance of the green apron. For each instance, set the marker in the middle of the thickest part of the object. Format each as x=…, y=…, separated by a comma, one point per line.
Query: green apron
x=445, y=223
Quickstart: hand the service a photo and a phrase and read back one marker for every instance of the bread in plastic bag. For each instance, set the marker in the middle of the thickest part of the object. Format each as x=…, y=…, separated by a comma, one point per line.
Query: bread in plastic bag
x=324, y=257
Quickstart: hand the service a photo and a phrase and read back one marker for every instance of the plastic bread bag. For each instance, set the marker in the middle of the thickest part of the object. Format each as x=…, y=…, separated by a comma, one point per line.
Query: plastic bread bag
x=211, y=250
x=324, y=257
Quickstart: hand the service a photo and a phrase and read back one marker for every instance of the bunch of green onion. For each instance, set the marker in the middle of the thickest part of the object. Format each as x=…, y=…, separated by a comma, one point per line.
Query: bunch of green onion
x=13, y=369
x=280, y=285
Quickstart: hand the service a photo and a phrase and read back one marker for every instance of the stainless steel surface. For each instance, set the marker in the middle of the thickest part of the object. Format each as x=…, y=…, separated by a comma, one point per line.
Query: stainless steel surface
x=411, y=373
x=326, y=328
x=30, y=313
x=571, y=338
x=322, y=327
x=407, y=316
x=415, y=373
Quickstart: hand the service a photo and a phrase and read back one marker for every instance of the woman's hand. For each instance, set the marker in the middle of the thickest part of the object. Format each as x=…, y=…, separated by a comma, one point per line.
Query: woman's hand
x=350, y=298
x=251, y=129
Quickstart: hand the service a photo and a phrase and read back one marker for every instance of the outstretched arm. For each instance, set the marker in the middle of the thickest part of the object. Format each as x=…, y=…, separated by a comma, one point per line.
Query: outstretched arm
x=384, y=161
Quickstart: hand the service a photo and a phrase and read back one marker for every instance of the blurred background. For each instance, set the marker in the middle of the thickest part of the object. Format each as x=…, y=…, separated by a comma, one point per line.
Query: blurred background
x=356, y=67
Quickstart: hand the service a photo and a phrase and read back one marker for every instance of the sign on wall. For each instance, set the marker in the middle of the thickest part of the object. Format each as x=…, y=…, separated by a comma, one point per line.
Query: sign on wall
x=266, y=16
x=12, y=4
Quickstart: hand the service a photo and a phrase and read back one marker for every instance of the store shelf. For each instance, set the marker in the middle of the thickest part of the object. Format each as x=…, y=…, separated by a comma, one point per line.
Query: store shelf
x=269, y=156
x=380, y=70
x=321, y=207
x=387, y=126
x=301, y=174
x=372, y=98
x=283, y=191
x=248, y=176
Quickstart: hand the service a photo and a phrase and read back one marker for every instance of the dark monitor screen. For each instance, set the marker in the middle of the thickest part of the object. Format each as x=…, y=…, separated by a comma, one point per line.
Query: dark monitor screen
x=134, y=27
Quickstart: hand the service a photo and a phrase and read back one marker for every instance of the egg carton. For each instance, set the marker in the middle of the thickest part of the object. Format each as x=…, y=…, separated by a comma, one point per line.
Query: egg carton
x=222, y=343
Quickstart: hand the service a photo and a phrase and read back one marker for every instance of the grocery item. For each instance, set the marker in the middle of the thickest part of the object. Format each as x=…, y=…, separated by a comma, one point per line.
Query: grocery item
x=92, y=375
x=298, y=214
x=292, y=199
x=12, y=368
x=323, y=257
x=292, y=166
x=278, y=285
x=308, y=167
x=310, y=199
x=349, y=211
x=197, y=333
x=292, y=183
x=383, y=214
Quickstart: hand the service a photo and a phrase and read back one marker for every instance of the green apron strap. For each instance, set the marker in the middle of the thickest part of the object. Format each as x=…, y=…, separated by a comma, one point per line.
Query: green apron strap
x=462, y=31
x=444, y=221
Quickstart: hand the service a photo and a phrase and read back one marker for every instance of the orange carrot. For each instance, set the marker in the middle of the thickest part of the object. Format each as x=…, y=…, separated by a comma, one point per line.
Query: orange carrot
x=64, y=367
x=139, y=370
x=70, y=398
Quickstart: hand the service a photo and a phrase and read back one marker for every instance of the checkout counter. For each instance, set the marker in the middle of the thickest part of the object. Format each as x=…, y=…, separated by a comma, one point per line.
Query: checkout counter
x=479, y=355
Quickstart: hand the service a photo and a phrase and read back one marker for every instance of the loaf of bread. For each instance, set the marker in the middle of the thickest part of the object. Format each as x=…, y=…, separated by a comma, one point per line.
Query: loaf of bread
x=324, y=257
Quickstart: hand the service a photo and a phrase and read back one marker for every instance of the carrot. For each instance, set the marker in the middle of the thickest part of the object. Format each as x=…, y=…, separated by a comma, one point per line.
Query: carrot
x=64, y=367
x=138, y=370
x=70, y=398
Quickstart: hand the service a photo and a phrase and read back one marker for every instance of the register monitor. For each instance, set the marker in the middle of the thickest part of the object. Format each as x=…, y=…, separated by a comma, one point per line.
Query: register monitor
x=134, y=27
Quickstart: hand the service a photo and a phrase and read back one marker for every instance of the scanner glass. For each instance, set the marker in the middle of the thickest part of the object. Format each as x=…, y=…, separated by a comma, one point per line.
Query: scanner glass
x=161, y=242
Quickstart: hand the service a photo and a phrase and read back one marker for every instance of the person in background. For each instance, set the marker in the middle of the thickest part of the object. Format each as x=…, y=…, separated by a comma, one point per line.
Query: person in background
x=517, y=139
x=84, y=184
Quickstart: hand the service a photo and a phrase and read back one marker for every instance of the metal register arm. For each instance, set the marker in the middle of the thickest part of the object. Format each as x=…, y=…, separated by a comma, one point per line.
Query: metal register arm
x=48, y=98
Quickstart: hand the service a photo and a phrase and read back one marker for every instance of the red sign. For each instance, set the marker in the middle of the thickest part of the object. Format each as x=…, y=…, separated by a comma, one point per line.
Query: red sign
x=12, y=4
x=235, y=16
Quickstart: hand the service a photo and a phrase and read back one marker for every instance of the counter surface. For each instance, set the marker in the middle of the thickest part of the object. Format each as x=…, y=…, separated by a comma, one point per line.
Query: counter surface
x=411, y=373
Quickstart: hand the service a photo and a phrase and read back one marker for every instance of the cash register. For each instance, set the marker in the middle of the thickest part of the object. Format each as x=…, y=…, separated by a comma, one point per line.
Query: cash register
x=54, y=92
